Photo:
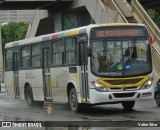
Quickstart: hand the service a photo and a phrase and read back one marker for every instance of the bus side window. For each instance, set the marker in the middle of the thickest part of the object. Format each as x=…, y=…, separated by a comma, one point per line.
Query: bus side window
x=71, y=51
x=36, y=58
x=9, y=59
x=58, y=52
x=25, y=52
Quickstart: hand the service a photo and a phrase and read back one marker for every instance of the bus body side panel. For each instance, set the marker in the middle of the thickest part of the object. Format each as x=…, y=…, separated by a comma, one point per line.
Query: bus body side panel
x=60, y=77
x=9, y=83
x=79, y=85
x=59, y=80
x=75, y=78
x=24, y=77
x=37, y=84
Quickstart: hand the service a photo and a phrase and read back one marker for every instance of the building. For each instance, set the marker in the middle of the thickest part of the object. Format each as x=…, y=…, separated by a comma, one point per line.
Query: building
x=16, y=16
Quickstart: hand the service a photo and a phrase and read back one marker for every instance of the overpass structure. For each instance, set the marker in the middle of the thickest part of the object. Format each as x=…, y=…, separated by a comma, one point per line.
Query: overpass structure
x=34, y=4
x=27, y=4
x=66, y=14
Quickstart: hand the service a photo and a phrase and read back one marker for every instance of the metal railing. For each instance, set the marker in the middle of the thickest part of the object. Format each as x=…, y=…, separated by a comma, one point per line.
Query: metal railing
x=114, y=12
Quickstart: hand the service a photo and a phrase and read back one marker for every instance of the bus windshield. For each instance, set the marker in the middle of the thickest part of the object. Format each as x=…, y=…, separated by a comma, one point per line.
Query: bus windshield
x=120, y=58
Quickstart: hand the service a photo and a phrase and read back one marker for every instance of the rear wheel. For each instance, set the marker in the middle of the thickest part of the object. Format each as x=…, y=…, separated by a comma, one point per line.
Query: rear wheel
x=157, y=98
x=73, y=101
x=128, y=105
x=29, y=97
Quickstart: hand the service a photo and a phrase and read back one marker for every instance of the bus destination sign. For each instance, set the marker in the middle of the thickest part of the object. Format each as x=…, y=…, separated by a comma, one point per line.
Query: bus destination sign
x=118, y=32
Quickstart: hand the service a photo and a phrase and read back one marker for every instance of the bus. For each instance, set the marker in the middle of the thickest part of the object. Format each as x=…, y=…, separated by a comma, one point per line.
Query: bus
x=91, y=65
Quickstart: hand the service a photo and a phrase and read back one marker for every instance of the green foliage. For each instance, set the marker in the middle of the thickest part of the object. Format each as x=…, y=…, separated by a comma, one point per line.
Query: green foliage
x=13, y=31
x=155, y=16
x=92, y=21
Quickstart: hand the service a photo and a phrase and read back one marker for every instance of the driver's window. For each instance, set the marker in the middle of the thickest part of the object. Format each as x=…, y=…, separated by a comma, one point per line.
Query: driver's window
x=141, y=50
x=97, y=53
x=97, y=49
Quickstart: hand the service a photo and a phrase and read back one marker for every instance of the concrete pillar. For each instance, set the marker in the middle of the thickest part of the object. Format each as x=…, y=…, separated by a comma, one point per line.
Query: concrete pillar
x=58, y=22
x=39, y=14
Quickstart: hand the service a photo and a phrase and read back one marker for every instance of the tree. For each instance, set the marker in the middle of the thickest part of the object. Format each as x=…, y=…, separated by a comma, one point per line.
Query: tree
x=13, y=31
x=155, y=16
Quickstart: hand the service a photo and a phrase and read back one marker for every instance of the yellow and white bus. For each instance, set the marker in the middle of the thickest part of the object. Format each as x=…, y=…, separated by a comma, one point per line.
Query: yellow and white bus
x=95, y=64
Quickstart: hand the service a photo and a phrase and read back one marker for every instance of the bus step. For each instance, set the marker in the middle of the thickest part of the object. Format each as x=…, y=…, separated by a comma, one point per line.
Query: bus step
x=48, y=104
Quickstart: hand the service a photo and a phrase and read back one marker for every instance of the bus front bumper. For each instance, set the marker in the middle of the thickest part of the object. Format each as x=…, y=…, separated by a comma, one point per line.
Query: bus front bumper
x=109, y=97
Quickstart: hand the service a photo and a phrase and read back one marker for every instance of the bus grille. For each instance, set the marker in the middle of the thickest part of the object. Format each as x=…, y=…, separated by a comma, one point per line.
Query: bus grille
x=124, y=81
x=123, y=95
x=129, y=88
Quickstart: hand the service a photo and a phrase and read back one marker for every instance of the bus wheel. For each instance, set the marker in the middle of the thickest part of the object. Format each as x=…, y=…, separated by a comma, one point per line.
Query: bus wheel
x=157, y=97
x=128, y=105
x=73, y=102
x=29, y=97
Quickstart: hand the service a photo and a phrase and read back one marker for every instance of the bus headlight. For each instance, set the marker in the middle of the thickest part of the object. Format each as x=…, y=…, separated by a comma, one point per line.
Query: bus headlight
x=99, y=87
x=147, y=85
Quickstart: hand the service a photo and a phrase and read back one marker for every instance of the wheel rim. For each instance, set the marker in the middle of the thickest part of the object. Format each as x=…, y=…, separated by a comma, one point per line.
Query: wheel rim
x=158, y=99
x=73, y=100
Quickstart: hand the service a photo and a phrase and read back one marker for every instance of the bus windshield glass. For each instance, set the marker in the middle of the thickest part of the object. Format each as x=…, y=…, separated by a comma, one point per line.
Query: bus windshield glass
x=120, y=57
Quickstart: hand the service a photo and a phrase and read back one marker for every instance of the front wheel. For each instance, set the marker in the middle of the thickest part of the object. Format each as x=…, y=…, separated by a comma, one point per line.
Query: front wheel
x=73, y=101
x=128, y=105
x=157, y=98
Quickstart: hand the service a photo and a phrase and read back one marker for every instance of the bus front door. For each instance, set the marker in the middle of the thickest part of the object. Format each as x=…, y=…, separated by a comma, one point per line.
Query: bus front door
x=46, y=75
x=16, y=74
x=84, y=72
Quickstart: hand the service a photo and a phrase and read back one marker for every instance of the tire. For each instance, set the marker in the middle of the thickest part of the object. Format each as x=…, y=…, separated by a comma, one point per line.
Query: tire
x=157, y=98
x=128, y=105
x=29, y=97
x=73, y=102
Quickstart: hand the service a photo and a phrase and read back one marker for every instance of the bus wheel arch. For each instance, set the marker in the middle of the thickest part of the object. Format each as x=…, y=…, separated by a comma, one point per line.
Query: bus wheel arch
x=29, y=95
x=72, y=98
x=69, y=87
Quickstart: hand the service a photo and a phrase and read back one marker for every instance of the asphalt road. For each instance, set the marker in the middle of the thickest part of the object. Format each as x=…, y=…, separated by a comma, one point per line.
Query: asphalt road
x=109, y=116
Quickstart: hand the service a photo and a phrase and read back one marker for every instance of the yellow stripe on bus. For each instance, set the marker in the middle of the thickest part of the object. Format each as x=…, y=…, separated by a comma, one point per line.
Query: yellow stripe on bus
x=76, y=77
x=104, y=82
x=71, y=33
x=12, y=83
x=52, y=84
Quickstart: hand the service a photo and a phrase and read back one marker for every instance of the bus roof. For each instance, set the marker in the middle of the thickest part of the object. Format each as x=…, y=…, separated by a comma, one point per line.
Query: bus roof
x=71, y=32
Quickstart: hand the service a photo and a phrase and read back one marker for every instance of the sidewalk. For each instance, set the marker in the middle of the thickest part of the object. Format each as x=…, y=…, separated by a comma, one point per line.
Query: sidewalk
x=2, y=88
